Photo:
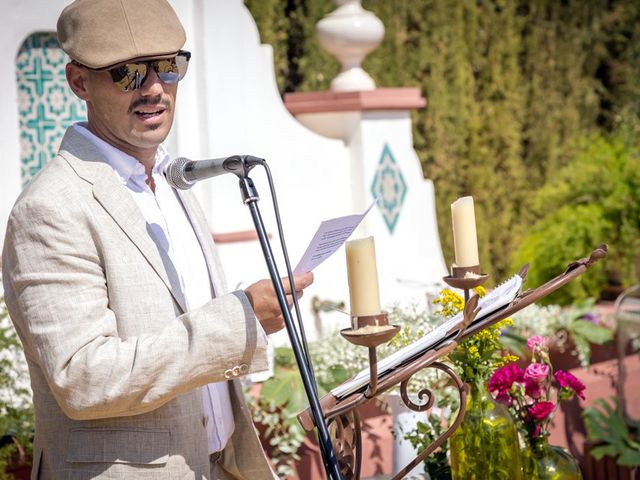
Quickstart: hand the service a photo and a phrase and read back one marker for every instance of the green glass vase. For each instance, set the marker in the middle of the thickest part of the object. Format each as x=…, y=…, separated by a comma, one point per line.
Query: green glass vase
x=541, y=461
x=485, y=445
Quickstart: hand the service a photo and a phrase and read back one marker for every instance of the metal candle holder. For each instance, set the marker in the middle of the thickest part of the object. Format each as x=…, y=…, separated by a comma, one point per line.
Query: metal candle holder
x=341, y=414
x=466, y=278
x=361, y=334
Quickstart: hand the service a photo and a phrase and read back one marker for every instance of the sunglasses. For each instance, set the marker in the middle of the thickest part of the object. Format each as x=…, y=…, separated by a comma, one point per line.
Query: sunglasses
x=132, y=75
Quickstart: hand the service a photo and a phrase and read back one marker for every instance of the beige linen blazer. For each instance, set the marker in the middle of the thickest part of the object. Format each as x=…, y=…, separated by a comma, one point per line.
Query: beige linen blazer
x=115, y=361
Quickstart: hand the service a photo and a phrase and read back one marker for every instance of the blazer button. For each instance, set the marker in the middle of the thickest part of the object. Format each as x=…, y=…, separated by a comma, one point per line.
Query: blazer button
x=228, y=374
x=236, y=371
x=244, y=368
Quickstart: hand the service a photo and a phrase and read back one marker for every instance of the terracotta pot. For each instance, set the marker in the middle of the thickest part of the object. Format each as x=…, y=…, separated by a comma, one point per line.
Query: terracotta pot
x=606, y=467
x=377, y=440
x=20, y=465
x=21, y=472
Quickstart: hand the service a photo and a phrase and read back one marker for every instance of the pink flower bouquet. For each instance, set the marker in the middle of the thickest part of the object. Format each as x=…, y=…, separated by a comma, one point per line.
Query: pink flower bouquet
x=533, y=394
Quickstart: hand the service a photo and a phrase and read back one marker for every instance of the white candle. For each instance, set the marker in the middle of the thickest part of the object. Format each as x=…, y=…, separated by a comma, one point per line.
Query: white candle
x=465, y=239
x=362, y=274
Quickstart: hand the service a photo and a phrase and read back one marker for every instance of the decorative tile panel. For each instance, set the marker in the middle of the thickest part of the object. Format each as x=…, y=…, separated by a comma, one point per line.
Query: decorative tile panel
x=46, y=104
x=389, y=185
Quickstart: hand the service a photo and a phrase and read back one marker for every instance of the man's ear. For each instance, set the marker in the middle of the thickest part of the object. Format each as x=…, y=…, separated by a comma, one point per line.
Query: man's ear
x=77, y=79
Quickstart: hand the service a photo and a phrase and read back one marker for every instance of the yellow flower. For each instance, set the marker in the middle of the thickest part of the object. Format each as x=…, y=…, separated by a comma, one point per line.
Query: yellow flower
x=506, y=359
x=450, y=301
x=480, y=290
x=473, y=352
x=507, y=322
x=478, y=356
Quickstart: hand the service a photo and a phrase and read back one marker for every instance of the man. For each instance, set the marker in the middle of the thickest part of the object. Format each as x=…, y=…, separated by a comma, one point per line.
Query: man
x=113, y=283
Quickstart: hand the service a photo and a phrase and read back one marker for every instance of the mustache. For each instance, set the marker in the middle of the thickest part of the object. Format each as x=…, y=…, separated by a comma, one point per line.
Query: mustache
x=142, y=101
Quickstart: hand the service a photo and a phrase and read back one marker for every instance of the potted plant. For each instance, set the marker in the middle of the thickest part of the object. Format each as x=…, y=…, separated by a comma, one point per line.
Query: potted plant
x=613, y=443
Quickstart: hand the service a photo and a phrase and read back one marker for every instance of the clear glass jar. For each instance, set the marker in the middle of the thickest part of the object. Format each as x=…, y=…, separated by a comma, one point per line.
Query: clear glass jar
x=485, y=445
x=541, y=461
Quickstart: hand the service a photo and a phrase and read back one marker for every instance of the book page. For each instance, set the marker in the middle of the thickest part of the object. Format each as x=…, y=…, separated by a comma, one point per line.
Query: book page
x=492, y=301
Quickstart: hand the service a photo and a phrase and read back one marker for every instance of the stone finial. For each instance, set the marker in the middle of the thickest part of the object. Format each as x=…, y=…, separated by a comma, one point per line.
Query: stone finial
x=350, y=33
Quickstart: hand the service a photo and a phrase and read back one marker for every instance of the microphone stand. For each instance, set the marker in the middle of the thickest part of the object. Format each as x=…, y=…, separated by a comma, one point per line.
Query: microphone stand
x=250, y=198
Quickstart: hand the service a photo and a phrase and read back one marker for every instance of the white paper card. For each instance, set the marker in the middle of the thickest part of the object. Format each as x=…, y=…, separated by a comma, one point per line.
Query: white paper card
x=329, y=237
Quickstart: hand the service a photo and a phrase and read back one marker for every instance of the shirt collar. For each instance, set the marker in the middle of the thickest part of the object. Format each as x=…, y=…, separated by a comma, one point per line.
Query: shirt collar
x=125, y=166
x=162, y=159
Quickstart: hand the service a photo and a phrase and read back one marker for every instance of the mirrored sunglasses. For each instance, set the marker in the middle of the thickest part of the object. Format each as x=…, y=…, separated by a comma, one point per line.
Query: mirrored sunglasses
x=132, y=75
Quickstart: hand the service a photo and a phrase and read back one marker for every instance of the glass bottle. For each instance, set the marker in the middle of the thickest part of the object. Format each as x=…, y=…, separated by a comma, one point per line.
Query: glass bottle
x=485, y=445
x=541, y=461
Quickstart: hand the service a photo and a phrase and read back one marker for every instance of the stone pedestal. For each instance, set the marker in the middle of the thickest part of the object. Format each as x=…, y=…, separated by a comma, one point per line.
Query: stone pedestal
x=376, y=128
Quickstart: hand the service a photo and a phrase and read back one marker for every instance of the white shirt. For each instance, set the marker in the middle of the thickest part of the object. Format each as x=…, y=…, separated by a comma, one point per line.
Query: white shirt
x=171, y=230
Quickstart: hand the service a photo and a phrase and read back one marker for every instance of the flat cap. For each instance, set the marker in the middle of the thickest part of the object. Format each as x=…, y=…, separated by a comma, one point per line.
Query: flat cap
x=101, y=33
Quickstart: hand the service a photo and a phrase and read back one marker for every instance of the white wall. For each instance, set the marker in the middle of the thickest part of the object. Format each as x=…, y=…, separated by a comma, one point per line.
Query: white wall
x=229, y=104
x=20, y=19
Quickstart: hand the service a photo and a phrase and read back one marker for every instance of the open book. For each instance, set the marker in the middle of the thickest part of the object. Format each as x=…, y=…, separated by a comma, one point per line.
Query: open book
x=496, y=299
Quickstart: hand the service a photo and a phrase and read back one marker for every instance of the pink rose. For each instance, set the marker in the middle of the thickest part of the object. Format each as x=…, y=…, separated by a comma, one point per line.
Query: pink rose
x=536, y=372
x=569, y=382
x=540, y=411
x=533, y=389
x=535, y=377
x=536, y=341
x=502, y=380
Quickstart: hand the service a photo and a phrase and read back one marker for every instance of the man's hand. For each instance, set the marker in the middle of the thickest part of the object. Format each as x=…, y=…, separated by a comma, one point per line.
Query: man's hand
x=265, y=304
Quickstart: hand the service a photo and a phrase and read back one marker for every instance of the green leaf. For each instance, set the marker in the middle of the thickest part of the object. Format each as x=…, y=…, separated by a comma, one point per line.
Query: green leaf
x=629, y=458
x=514, y=344
x=604, y=451
x=339, y=373
x=606, y=426
x=593, y=333
x=279, y=389
x=284, y=357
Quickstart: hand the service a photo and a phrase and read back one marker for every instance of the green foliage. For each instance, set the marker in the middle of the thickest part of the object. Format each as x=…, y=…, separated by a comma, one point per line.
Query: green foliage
x=16, y=413
x=284, y=437
x=476, y=357
x=485, y=443
x=510, y=86
x=336, y=360
x=594, y=199
x=559, y=325
x=300, y=63
x=584, y=333
x=424, y=434
x=606, y=426
x=282, y=397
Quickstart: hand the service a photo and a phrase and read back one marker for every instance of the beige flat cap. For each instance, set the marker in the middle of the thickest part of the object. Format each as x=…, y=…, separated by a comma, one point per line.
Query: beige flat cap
x=101, y=33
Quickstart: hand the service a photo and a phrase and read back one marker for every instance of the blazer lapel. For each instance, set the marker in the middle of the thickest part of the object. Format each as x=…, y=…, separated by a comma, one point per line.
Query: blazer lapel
x=117, y=201
x=87, y=162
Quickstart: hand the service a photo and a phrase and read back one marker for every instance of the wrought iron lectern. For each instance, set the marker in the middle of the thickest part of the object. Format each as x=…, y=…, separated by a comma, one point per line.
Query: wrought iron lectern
x=341, y=414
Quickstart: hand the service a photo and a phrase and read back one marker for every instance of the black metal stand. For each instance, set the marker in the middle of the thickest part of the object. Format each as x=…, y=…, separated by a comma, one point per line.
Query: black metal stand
x=250, y=198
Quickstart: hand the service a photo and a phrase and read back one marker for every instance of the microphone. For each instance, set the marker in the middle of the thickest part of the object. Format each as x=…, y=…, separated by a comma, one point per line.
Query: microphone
x=183, y=173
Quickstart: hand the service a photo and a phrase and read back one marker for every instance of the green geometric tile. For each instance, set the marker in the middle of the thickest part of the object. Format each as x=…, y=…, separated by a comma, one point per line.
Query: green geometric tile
x=389, y=185
x=46, y=104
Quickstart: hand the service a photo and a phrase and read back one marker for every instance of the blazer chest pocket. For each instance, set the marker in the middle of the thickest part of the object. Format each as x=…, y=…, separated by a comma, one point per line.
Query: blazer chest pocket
x=135, y=447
